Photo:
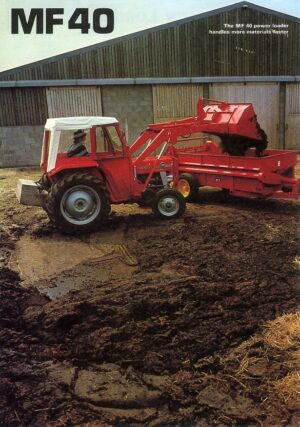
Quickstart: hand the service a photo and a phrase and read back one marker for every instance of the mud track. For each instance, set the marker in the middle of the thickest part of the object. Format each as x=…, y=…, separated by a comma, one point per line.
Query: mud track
x=146, y=327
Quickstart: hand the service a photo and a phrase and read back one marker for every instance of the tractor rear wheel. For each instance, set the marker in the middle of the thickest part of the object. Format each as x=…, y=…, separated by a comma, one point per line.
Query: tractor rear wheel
x=78, y=202
x=188, y=186
x=168, y=204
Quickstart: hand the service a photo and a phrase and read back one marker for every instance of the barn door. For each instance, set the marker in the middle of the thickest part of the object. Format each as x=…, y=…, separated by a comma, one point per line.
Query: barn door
x=173, y=102
x=72, y=102
x=263, y=96
x=292, y=140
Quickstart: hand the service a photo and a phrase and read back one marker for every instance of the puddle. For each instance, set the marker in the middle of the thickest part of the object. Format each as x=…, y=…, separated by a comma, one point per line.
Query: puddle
x=41, y=259
x=57, y=264
x=117, y=265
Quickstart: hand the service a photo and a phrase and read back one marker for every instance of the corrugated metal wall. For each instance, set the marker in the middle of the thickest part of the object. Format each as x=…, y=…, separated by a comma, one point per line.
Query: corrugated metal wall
x=23, y=107
x=131, y=105
x=186, y=49
x=263, y=96
x=71, y=102
x=175, y=101
x=293, y=117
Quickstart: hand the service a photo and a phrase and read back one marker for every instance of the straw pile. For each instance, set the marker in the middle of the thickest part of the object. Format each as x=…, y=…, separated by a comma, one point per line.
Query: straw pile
x=283, y=336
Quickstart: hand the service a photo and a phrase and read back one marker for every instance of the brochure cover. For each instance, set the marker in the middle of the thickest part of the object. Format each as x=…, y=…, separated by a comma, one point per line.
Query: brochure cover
x=149, y=206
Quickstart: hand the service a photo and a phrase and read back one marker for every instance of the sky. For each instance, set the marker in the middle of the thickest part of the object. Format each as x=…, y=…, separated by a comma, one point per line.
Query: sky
x=130, y=16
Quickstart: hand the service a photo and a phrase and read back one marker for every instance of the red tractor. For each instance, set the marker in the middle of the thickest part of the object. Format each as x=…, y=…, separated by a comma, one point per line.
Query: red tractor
x=163, y=168
x=77, y=192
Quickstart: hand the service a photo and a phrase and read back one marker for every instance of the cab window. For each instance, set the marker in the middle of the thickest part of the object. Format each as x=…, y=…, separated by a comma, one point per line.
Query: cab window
x=101, y=141
x=114, y=138
x=108, y=140
x=66, y=140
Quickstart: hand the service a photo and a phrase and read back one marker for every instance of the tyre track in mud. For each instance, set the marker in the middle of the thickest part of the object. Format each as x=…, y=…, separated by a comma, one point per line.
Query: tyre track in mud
x=233, y=289
x=203, y=285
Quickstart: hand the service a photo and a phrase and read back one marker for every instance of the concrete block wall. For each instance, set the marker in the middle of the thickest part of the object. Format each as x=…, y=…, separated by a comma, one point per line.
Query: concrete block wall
x=131, y=105
x=20, y=146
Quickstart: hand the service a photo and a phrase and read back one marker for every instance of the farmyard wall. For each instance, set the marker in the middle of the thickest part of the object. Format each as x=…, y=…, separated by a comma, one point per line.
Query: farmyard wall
x=20, y=146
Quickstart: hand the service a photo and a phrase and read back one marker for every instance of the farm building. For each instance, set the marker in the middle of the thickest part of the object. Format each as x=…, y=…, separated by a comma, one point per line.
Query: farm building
x=242, y=53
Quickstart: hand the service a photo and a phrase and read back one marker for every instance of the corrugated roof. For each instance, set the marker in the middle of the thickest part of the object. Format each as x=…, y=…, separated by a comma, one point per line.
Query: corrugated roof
x=239, y=5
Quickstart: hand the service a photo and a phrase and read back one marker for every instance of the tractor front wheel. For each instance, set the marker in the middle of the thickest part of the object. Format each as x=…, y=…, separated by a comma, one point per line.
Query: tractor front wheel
x=78, y=202
x=168, y=204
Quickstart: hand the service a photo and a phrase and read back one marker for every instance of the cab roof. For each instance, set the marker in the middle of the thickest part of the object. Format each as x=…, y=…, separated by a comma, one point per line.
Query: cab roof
x=73, y=123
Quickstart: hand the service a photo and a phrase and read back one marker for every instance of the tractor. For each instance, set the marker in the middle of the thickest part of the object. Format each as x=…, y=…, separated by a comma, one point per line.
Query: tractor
x=77, y=192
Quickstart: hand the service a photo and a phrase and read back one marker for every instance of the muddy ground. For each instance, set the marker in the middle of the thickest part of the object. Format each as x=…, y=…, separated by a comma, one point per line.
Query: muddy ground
x=146, y=322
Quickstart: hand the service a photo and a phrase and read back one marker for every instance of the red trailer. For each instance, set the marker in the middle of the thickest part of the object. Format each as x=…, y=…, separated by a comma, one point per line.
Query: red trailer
x=252, y=171
x=271, y=175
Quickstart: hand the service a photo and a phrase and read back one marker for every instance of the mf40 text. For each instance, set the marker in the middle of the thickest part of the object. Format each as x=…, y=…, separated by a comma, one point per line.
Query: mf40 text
x=43, y=21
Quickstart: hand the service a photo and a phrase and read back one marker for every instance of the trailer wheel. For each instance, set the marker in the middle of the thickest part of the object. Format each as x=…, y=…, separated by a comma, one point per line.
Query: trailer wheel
x=78, y=202
x=168, y=204
x=188, y=186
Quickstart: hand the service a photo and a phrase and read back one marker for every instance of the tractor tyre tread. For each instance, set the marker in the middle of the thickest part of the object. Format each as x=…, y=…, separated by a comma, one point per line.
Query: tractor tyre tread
x=161, y=193
x=56, y=192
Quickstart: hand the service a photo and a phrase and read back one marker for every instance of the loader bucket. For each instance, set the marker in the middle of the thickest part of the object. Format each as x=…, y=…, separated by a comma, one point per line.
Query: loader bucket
x=236, y=125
